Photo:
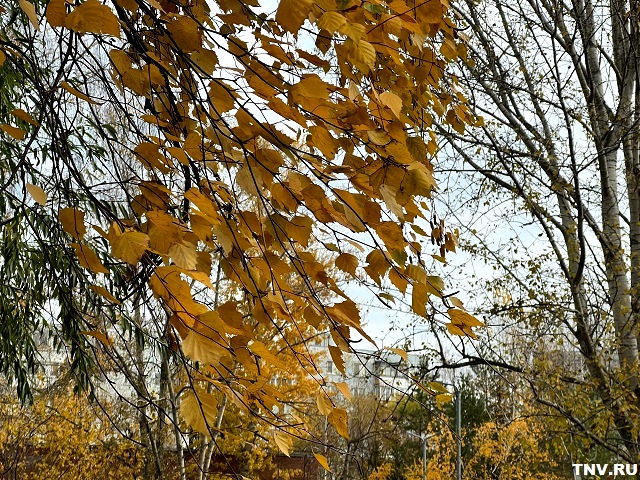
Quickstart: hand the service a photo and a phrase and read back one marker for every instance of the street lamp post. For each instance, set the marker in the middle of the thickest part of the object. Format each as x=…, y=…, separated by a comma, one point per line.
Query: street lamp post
x=458, y=432
x=424, y=439
x=458, y=428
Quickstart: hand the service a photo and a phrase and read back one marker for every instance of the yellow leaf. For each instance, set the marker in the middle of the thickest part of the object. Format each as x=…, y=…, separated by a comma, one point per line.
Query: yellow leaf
x=284, y=441
x=72, y=222
x=28, y=8
x=205, y=59
x=77, y=93
x=184, y=255
x=37, y=194
x=331, y=21
x=185, y=33
x=338, y=418
x=192, y=408
x=393, y=101
x=344, y=389
x=455, y=330
x=336, y=357
x=444, y=397
x=291, y=14
x=99, y=336
x=347, y=263
x=398, y=281
x=15, y=132
x=438, y=387
x=363, y=55
x=259, y=349
x=130, y=246
x=163, y=230
x=322, y=460
x=419, y=298
x=3, y=57
x=22, y=115
x=299, y=229
x=391, y=234
x=324, y=141
x=204, y=342
x=311, y=86
x=221, y=96
x=325, y=407
x=105, y=293
x=56, y=13
x=93, y=17
x=88, y=258
x=460, y=317
x=377, y=265
x=379, y=137
x=399, y=351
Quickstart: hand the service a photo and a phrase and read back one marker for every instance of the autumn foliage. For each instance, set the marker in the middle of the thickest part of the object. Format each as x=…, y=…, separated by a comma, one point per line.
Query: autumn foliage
x=248, y=138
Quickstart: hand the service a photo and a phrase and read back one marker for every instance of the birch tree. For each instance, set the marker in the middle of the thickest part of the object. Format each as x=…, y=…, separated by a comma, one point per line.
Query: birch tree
x=557, y=83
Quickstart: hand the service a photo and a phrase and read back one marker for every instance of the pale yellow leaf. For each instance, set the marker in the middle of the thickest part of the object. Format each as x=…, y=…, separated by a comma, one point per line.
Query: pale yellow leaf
x=192, y=408
x=93, y=17
x=72, y=222
x=15, y=132
x=130, y=246
x=331, y=21
x=393, y=101
x=400, y=352
x=22, y=115
x=28, y=8
x=184, y=255
x=291, y=14
x=105, y=293
x=77, y=93
x=284, y=441
x=99, y=336
x=456, y=302
x=322, y=460
x=338, y=418
x=37, y=194
x=347, y=263
x=56, y=13
x=379, y=137
x=344, y=389
x=88, y=258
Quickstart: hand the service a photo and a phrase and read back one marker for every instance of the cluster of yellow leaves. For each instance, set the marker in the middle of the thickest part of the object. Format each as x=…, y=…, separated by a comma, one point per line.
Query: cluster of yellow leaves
x=518, y=450
x=356, y=166
x=383, y=472
x=63, y=436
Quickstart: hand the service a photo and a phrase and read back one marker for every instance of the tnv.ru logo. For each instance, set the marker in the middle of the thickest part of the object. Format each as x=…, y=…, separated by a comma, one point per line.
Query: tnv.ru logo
x=615, y=469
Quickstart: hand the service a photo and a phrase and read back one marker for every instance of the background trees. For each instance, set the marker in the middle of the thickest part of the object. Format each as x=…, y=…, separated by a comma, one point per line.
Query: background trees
x=554, y=173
